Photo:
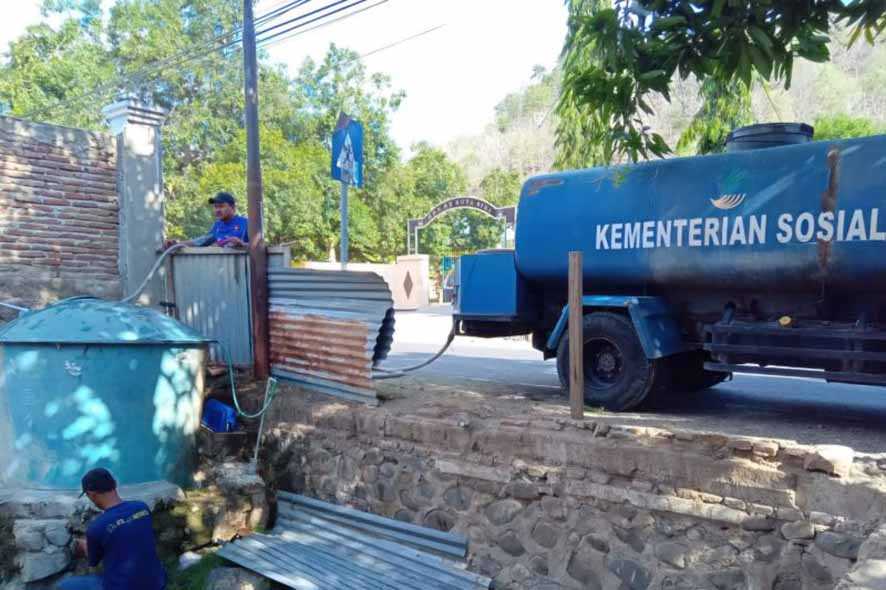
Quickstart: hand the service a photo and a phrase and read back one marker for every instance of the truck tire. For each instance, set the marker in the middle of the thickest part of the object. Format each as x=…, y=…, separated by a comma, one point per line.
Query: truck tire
x=618, y=376
x=689, y=375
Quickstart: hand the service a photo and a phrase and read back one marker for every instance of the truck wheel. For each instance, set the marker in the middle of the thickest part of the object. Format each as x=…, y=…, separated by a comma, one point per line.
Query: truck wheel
x=689, y=375
x=618, y=376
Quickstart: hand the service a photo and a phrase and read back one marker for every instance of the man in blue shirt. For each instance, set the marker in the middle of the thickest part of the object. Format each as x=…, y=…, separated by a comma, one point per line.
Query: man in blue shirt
x=121, y=538
x=229, y=230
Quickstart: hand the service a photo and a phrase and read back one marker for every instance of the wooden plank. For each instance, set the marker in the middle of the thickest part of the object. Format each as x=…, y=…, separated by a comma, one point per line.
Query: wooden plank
x=576, y=337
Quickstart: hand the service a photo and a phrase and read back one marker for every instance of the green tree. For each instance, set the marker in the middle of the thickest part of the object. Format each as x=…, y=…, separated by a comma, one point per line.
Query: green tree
x=341, y=83
x=726, y=105
x=501, y=188
x=842, y=126
x=48, y=67
x=435, y=178
x=66, y=74
x=619, y=55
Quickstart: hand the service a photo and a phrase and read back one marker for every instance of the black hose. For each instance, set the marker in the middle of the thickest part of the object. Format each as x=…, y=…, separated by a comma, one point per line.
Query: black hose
x=397, y=373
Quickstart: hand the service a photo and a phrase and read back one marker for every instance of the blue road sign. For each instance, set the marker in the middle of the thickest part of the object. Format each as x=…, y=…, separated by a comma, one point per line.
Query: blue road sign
x=347, y=151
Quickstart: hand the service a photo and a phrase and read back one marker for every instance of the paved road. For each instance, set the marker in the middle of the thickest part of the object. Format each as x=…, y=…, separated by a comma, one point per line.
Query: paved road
x=806, y=410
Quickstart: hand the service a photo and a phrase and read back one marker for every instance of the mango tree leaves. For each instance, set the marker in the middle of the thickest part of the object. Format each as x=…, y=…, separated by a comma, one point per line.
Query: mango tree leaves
x=618, y=53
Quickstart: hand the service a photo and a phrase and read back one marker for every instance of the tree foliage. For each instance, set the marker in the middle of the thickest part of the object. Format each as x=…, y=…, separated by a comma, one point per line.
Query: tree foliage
x=160, y=51
x=842, y=126
x=521, y=138
x=618, y=55
x=726, y=105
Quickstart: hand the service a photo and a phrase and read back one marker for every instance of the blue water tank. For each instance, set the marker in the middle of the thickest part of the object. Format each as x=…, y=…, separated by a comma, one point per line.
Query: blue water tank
x=91, y=383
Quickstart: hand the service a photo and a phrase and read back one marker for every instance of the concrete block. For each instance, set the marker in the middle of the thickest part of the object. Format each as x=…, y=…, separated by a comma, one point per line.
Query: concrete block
x=498, y=474
x=40, y=565
x=832, y=459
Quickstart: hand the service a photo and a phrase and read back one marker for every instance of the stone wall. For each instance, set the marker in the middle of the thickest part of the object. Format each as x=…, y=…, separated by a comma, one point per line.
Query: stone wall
x=562, y=504
x=229, y=501
x=869, y=572
x=59, y=231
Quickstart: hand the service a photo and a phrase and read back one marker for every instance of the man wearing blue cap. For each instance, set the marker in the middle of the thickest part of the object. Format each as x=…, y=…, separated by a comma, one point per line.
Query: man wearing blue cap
x=229, y=230
x=121, y=538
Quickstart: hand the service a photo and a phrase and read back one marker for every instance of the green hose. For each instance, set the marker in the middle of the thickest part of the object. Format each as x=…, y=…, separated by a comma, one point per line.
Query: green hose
x=270, y=392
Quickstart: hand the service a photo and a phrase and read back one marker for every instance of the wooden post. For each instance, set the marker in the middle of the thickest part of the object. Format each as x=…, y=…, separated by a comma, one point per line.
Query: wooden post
x=170, y=286
x=576, y=337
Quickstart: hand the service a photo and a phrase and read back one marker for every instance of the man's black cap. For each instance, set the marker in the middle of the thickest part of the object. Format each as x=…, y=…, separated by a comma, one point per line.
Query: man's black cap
x=223, y=197
x=98, y=480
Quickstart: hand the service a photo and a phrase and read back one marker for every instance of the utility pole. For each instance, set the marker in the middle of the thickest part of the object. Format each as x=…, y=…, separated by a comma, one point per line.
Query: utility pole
x=258, y=255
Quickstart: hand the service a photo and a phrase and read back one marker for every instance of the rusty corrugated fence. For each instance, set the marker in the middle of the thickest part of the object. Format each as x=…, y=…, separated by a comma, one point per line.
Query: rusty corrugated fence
x=329, y=328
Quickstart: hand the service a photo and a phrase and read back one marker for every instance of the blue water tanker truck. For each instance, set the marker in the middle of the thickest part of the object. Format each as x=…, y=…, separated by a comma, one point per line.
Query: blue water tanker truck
x=769, y=258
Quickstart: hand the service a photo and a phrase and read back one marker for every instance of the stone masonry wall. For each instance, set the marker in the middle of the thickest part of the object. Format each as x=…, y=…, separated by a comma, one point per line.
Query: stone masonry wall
x=562, y=504
x=59, y=232
x=40, y=525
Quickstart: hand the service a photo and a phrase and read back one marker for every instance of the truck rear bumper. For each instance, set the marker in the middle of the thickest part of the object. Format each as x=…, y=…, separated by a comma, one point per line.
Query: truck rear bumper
x=489, y=326
x=846, y=353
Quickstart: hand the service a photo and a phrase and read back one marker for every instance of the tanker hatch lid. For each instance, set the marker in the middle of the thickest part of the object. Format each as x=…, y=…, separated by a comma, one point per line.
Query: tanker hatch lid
x=88, y=320
x=766, y=135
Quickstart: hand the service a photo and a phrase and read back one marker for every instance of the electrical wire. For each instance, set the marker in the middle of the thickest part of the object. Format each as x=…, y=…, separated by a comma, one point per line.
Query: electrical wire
x=402, y=41
x=312, y=13
x=283, y=9
x=279, y=37
x=174, y=60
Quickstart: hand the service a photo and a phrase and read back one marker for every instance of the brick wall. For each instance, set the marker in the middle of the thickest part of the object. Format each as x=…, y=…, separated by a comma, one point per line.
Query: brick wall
x=59, y=233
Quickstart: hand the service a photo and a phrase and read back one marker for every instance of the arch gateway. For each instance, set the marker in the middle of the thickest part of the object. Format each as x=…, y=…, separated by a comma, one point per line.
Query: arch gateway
x=509, y=214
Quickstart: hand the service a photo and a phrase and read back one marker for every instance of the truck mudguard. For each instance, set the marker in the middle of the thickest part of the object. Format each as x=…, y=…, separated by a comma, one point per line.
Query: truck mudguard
x=654, y=320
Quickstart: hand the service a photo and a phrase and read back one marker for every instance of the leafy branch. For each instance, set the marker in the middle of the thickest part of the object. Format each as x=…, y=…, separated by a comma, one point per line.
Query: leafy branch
x=619, y=54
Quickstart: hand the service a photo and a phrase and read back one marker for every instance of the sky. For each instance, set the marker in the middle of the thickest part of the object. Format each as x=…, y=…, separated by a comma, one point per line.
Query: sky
x=453, y=77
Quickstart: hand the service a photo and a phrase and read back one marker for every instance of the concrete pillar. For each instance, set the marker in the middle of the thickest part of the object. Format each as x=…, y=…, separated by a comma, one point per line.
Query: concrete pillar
x=411, y=282
x=140, y=186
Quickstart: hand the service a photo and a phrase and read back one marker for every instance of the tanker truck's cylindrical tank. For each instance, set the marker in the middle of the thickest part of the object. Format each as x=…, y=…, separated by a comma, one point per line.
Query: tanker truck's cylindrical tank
x=773, y=220
x=89, y=383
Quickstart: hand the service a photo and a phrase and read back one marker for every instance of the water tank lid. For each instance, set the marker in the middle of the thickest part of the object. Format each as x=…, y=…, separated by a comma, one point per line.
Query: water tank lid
x=87, y=320
x=764, y=131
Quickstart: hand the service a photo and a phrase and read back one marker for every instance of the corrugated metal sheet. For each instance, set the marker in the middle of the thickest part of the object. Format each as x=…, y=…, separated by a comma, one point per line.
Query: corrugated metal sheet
x=329, y=328
x=212, y=296
x=316, y=546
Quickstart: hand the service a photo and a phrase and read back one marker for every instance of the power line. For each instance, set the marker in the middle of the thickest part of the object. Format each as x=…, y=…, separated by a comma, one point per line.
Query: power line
x=302, y=24
x=236, y=42
x=402, y=41
x=303, y=16
x=210, y=48
x=265, y=42
x=282, y=8
x=176, y=59
x=280, y=38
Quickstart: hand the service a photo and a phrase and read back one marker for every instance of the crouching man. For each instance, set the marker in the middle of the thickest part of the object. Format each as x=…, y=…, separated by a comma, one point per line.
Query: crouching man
x=121, y=538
